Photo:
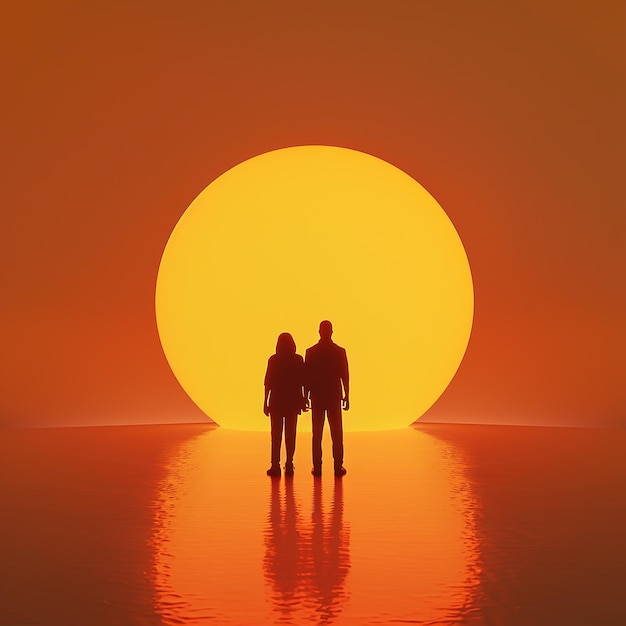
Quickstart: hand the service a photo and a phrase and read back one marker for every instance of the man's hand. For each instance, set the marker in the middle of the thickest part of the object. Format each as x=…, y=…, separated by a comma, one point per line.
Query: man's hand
x=266, y=409
x=345, y=403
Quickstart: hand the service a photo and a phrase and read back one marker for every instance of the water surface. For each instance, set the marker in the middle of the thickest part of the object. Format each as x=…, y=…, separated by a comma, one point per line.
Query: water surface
x=441, y=524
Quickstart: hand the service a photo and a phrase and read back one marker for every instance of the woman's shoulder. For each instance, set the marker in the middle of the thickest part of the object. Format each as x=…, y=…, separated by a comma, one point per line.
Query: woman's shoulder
x=285, y=358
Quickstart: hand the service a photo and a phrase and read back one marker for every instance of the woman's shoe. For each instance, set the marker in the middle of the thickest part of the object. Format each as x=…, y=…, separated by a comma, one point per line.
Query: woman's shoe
x=289, y=468
x=273, y=471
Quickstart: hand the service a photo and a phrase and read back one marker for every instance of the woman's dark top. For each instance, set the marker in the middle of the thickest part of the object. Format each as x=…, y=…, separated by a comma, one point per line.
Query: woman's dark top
x=285, y=379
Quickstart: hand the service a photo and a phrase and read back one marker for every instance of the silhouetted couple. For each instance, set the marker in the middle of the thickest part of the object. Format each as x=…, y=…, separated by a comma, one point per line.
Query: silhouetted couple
x=292, y=384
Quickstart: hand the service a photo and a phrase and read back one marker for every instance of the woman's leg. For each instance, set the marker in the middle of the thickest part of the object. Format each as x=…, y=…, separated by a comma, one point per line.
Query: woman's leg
x=277, y=437
x=291, y=423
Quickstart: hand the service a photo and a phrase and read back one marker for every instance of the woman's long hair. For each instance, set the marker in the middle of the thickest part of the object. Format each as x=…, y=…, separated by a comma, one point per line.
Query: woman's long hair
x=285, y=344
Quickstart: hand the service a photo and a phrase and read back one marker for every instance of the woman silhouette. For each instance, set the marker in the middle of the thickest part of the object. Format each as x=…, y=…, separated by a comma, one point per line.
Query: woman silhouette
x=284, y=399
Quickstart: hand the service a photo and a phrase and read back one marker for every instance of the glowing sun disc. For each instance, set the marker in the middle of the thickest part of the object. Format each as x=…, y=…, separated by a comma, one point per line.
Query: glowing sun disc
x=294, y=236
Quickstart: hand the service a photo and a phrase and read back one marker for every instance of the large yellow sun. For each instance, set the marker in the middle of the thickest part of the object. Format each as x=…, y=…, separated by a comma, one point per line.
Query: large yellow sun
x=295, y=236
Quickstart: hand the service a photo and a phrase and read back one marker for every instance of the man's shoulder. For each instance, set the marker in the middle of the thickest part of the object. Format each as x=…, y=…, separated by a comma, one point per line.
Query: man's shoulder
x=324, y=348
x=334, y=351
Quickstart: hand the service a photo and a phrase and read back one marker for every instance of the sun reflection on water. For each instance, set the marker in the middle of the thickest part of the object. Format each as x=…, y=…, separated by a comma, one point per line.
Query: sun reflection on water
x=394, y=540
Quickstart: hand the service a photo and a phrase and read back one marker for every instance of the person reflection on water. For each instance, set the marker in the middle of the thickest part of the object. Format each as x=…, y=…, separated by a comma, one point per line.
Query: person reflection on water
x=284, y=400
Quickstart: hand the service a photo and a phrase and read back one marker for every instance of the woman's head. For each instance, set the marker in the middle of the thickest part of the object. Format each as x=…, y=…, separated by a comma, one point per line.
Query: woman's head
x=285, y=344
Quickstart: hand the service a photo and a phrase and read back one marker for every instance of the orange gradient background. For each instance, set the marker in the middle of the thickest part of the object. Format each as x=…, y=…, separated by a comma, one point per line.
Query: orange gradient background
x=114, y=118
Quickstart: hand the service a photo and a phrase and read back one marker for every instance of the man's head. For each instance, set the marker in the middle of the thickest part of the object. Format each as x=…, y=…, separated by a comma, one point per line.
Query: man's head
x=326, y=330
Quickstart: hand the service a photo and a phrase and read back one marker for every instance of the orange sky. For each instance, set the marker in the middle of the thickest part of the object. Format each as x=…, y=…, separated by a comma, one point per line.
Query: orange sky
x=114, y=118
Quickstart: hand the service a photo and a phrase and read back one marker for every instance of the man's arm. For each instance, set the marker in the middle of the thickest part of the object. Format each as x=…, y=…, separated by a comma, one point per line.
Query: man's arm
x=266, y=402
x=267, y=385
x=345, y=379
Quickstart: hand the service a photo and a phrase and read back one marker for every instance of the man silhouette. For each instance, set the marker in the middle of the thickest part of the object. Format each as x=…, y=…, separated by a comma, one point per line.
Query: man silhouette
x=327, y=383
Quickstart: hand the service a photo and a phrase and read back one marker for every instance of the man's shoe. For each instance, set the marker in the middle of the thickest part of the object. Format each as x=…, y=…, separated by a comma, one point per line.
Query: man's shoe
x=289, y=468
x=340, y=471
x=316, y=471
x=273, y=471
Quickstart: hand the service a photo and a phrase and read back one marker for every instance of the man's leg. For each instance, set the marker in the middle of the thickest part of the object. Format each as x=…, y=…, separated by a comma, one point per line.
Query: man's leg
x=336, y=432
x=317, y=422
